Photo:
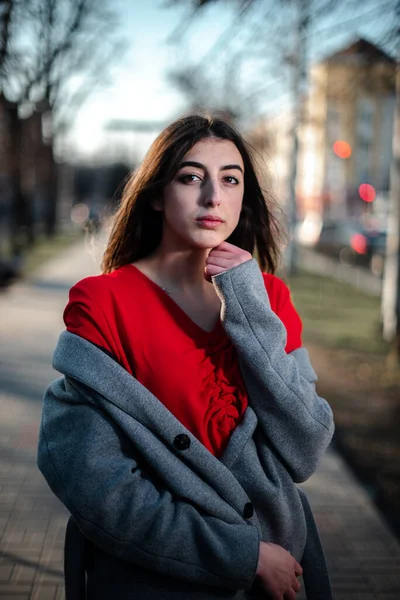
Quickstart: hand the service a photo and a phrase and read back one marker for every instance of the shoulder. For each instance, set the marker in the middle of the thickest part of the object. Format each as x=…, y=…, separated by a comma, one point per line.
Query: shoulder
x=100, y=288
x=86, y=300
x=89, y=285
x=98, y=296
x=278, y=291
x=93, y=308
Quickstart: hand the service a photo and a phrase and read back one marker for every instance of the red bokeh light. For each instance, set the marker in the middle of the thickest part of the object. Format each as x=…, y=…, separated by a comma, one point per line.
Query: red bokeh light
x=342, y=149
x=358, y=242
x=367, y=192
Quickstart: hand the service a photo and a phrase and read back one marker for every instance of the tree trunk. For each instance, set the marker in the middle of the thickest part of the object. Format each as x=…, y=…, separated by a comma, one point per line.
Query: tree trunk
x=5, y=34
x=299, y=90
x=391, y=282
x=50, y=193
x=21, y=232
x=49, y=172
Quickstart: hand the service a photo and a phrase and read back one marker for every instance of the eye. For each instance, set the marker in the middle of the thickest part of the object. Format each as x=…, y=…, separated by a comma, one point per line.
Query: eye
x=231, y=179
x=189, y=178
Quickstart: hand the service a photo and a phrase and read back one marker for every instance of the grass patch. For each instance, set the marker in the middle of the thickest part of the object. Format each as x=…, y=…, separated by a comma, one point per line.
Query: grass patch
x=342, y=333
x=337, y=315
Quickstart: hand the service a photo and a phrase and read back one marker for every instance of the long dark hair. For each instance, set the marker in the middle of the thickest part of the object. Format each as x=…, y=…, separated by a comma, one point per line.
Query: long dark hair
x=137, y=229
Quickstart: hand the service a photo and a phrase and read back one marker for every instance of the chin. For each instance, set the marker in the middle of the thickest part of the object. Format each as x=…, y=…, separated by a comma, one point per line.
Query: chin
x=209, y=240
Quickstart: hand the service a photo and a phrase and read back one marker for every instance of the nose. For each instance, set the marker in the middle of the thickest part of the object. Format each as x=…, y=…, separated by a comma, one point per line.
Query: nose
x=211, y=193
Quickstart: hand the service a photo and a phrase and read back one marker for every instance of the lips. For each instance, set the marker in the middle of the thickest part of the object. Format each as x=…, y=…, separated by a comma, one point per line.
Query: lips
x=209, y=222
x=209, y=218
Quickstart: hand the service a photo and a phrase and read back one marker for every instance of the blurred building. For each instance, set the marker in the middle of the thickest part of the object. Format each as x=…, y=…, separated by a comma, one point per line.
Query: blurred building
x=346, y=138
x=8, y=112
x=28, y=179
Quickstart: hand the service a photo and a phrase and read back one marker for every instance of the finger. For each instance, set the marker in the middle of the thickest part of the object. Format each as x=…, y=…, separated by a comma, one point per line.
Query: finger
x=207, y=276
x=219, y=262
x=213, y=270
x=298, y=569
x=290, y=594
x=221, y=254
x=227, y=247
x=296, y=585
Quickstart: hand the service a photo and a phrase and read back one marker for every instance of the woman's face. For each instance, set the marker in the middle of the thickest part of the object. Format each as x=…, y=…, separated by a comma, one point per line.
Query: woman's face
x=203, y=202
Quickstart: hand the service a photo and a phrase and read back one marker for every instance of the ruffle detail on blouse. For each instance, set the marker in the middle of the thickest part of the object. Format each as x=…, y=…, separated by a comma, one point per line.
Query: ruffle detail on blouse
x=227, y=399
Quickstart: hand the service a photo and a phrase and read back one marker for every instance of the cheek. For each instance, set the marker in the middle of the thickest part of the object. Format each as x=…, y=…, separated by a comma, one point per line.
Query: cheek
x=177, y=211
x=237, y=204
x=182, y=199
x=173, y=203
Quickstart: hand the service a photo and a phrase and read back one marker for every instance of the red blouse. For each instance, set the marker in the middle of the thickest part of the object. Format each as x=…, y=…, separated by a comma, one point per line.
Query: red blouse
x=194, y=373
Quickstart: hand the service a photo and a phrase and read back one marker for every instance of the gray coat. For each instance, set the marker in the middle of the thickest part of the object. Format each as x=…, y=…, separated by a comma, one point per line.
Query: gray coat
x=147, y=493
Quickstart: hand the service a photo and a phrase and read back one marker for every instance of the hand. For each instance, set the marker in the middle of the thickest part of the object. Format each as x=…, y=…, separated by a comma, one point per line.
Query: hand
x=278, y=572
x=224, y=257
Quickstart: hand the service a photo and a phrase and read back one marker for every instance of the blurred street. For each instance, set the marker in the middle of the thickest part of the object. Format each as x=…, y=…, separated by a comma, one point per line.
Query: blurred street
x=363, y=556
x=31, y=519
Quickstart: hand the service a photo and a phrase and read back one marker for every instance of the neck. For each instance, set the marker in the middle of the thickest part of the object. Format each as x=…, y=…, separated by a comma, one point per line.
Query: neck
x=179, y=265
x=181, y=269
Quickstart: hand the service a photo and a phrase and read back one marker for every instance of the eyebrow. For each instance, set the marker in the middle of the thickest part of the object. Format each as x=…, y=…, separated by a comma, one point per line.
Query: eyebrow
x=191, y=163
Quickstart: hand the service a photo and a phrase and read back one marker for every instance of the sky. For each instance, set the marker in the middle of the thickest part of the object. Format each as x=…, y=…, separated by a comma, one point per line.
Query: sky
x=140, y=89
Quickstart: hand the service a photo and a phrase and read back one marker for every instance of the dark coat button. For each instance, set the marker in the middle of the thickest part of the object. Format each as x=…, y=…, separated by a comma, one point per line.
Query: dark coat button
x=182, y=441
x=248, y=510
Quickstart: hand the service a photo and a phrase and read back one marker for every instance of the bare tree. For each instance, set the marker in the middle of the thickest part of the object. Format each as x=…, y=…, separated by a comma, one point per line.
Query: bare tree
x=196, y=81
x=6, y=7
x=53, y=54
x=229, y=98
x=19, y=213
x=74, y=39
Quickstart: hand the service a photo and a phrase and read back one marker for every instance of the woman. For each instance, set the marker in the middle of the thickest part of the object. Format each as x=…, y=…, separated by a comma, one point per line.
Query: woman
x=187, y=410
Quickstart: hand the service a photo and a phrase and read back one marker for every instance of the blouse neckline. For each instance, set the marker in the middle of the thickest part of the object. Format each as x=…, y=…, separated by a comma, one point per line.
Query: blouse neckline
x=190, y=326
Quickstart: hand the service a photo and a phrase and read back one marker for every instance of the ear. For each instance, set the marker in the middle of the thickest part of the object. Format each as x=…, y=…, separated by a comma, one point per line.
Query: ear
x=158, y=204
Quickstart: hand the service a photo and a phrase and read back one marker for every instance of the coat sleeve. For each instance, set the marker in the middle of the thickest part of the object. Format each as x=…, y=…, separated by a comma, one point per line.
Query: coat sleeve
x=295, y=420
x=123, y=507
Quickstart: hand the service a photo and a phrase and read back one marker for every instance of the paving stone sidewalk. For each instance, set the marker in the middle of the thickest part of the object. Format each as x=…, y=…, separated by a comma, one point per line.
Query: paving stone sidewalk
x=363, y=556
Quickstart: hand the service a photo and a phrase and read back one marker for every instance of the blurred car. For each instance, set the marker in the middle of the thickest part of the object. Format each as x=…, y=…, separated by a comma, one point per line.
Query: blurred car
x=353, y=244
